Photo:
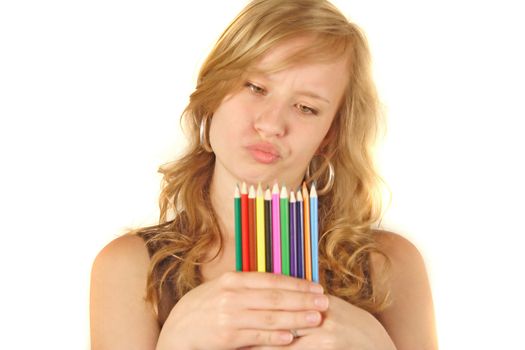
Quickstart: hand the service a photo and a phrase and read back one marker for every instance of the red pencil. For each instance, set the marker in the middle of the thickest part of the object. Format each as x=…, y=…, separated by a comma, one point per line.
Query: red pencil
x=244, y=228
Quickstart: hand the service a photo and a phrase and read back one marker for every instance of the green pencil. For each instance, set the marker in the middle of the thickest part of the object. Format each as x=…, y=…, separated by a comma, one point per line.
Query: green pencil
x=238, y=238
x=285, y=233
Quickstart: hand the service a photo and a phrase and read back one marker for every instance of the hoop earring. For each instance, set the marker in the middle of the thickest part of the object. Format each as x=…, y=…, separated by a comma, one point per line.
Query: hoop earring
x=203, y=135
x=331, y=178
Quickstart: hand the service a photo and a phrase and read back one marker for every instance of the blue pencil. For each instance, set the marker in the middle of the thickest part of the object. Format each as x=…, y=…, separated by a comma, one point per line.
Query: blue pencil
x=314, y=233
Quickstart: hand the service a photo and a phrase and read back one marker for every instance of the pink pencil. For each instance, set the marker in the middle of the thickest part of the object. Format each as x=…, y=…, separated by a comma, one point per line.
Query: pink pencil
x=276, y=229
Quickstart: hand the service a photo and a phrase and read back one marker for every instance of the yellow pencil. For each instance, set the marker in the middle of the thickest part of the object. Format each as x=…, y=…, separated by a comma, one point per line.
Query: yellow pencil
x=307, y=244
x=261, y=247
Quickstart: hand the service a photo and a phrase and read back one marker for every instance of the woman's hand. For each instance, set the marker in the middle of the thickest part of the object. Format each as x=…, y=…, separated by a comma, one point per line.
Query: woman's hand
x=344, y=326
x=242, y=310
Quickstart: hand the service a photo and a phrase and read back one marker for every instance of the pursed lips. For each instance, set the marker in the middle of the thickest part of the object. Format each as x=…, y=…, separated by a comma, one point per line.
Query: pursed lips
x=264, y=152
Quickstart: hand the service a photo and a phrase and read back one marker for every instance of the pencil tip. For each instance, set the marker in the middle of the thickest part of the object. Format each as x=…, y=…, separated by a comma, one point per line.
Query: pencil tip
x=284, y=192
x=313, y=192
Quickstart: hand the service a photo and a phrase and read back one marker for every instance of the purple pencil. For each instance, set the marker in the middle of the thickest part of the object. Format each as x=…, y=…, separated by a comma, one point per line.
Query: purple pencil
x=276, y=228
x=300, y=235
x=293, y=235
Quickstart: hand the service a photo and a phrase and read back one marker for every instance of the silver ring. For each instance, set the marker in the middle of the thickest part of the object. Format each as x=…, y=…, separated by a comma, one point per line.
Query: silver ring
x=294, y=333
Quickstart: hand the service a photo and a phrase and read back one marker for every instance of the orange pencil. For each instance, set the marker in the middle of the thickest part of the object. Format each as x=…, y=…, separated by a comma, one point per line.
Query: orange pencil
x=307, y=240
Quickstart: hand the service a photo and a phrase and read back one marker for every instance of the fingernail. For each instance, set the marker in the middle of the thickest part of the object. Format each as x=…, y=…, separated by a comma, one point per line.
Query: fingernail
x=316, y=288
x=286, y=337
x=321, y=301
x=313, y=317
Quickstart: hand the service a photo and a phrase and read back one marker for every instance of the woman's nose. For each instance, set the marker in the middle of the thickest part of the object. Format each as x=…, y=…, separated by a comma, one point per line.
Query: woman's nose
x=271, y=121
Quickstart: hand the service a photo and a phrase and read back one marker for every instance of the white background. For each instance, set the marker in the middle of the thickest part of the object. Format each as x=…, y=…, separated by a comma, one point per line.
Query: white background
x=90, y=98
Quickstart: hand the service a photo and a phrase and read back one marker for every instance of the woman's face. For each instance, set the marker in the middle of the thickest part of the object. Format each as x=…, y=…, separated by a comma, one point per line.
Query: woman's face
x=273, y=126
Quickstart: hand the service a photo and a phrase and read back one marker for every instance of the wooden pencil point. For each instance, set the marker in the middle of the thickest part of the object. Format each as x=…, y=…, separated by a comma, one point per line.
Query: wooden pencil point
x=313, y=192
x=284, y=192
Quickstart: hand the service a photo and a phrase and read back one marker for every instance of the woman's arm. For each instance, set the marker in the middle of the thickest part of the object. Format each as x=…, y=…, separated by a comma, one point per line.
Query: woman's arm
x=409, y=320
x=119, y=315
x=234, y=310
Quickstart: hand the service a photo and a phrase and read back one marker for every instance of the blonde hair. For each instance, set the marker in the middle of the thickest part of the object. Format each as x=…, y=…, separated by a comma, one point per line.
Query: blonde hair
x=180, y=245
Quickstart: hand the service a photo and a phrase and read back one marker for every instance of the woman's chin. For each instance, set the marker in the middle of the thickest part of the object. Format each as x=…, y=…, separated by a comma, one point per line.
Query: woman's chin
x=258, y=178
x=267, y=180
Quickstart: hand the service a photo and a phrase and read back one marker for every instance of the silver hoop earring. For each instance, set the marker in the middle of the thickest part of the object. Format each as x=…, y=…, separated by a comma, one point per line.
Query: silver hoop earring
x=203, y=135
x=329, y=182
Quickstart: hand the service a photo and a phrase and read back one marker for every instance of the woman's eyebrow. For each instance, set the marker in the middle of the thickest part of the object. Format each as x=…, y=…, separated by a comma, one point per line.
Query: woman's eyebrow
x=267, y=77
x=313, y=95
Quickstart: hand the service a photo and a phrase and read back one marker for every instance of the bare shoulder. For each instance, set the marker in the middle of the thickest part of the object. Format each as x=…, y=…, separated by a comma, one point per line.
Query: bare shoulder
x=128, y=251
x=398, y=249
x=409, y=318
x=120, y=318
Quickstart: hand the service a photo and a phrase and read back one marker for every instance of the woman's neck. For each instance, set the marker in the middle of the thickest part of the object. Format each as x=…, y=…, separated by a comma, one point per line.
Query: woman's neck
x=221, y=197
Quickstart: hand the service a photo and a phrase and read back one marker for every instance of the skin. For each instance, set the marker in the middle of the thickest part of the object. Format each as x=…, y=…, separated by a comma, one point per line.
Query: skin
x=256, y=310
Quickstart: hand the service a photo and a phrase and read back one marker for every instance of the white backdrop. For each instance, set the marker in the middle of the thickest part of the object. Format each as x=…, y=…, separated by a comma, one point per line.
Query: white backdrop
x=90, y=98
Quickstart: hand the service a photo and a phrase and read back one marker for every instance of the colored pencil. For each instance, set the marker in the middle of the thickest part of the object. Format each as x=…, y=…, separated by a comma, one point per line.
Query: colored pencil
x=285, y=232
x=276, y=230
x=261, y=249
x=293, y=235
x=314, y=230
x=238, y=236
x=244, y=229
x=251, y=229
x=268, y=229
x=300, y=235
x=307, y=238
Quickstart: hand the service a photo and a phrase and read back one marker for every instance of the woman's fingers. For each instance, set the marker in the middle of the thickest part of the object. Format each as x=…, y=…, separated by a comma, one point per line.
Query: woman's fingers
x=247, y=338
x=278, y=299
x=276, y=320
x=259, y=280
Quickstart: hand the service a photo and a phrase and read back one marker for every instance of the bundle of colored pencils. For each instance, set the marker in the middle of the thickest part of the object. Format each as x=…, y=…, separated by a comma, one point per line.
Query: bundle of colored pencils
x=276, y=232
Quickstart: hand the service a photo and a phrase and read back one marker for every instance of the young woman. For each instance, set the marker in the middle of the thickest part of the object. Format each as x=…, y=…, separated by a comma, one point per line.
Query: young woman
x=286, y=95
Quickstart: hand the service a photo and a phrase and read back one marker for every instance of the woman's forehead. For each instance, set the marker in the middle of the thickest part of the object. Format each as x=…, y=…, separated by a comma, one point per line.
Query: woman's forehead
x=296, y=51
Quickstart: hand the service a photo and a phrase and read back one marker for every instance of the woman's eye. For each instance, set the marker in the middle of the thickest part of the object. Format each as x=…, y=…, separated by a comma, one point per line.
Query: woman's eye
x=256, y=89
x=306, y=110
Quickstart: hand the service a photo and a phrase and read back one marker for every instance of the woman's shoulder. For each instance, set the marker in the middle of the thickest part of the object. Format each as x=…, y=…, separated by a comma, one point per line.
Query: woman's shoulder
x=128, y=250
x=400, y=273
x=398, y=259
x=117, y=298
x=122, y=263
x=396, y=247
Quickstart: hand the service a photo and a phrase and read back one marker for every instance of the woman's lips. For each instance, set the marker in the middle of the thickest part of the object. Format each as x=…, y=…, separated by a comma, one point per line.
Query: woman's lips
x=264, y=153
